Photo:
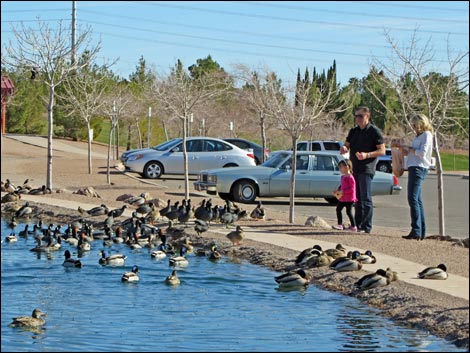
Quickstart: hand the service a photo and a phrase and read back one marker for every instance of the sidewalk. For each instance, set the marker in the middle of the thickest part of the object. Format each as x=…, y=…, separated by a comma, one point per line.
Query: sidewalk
x=455, y=285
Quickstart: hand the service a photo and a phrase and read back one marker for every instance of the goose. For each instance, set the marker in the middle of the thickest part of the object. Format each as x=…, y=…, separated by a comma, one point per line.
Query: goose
x=236, y=236
x=200, y=226
x=367, y=258
x=34, y=320
x=131, y=276
x=439, y=272
x=172, y=279
x=24, y=233
x=144, y=208
x=165, y=209
x=258, y=212
x=11, y=238
x=289, y=279
x=13, y=223
x=118, y=211
x=25, y=210
x=373, y=280
x=179, y=261
x=113, y=260
x=70, y=262
x=348, y=263
x=95, y=211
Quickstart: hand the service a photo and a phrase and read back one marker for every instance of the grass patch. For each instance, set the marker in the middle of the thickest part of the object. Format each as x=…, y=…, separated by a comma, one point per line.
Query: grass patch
x=454, y=162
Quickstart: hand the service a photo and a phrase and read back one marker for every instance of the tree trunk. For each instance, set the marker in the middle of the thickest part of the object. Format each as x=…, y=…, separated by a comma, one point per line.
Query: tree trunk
x=108, y=175
x=139, y=133
x=89, y=146
x=50, y=132
x=117, y=140
x=263, y=137
x=185, y=158
x=292, y=181
x=440, y=189
x=128, y=137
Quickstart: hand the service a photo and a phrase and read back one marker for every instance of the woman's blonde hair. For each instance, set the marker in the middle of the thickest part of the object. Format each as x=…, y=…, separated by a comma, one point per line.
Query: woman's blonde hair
x=422, y=123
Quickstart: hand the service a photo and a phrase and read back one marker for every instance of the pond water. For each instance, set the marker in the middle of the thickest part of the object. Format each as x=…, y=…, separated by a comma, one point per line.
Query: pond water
x=229, y=305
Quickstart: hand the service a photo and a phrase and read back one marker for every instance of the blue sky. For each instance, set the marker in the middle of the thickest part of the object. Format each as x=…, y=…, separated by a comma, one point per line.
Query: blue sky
x=282, y=35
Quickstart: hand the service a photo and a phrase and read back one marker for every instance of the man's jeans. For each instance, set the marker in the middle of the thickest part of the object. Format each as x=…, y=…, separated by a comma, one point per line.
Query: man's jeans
x=364, y=208
x=416, y=176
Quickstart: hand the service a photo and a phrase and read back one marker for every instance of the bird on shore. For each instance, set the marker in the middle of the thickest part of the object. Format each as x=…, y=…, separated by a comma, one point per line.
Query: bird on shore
x=373, y=280
x=118, y=211
x=236, y=236
x=303, y=257
x=338, y=251
x=95, y=211
x=367, y=258
x=347, y=263
x=439, y=272
x=131, y=276
x=34, y=320
x=258, y=212
x=25, y=210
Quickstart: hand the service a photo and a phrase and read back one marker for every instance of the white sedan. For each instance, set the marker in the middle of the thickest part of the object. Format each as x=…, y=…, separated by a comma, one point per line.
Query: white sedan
x=317, y=175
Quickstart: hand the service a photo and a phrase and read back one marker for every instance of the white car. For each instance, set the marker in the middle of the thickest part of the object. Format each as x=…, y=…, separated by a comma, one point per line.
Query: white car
x=203, y=153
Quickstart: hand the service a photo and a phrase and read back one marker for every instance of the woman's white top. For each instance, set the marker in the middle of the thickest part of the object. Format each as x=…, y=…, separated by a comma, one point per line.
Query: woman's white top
x=422, y=145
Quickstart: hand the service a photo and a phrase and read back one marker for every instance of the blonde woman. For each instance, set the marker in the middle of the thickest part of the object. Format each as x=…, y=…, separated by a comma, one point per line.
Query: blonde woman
x=419, y=160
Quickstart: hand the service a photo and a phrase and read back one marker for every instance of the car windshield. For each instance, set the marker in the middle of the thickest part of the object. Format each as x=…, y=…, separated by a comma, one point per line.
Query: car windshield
x=167, y=145
x=276, y=160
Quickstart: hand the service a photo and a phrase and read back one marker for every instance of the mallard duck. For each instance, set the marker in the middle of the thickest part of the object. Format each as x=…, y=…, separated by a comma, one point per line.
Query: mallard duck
x=69, y=262
x=29, y=321
x=113, y=260
x=96, y=211
x=12, y=238
x=214, y=254
x=367, y=258
x=338, y=251
x=297, y=278
x=172, y=279
x=131, y=276
x=158, y=254
x=236, y=236
x=393, y=275
x=373, y=280
x=348, y=263
x=319, y=261
x=307, y=253
x=25, y=210
x=38, y=191
x=11, y=197
x=439, y=272
x=179, y=261
x=258, y=212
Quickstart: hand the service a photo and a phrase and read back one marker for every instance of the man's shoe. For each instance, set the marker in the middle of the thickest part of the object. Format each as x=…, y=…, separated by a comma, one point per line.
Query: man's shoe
x=409, y=236
x=359, y=230
x=339, y=227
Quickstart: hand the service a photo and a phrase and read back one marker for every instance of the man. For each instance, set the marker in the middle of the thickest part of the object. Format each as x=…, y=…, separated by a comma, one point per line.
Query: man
x=364, y=143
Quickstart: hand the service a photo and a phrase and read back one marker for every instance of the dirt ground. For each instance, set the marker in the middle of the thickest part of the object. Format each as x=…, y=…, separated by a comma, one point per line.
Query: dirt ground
x=443, y=315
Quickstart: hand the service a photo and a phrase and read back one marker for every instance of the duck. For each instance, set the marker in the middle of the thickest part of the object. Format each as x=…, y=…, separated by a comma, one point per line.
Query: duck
x=113, y=260
x=214, y=254
x=11, y=197
x=12, y=238
x=393, y=275
x=200, y=226
x=258, y=212
x=138, y=200
x=95, y=211
x=34, y=320
x=338, y=251
x=38, y=191
x=236, y=236
x=70, y=262
x=131, y=276
x=290, y=279
x=172, y=279
x=179, y=261
x=25, y=210
x=348, y=263
x=367, y=258
x=439, y=272
x=118, y=211
x=158, y=254
x=373, y=280
x=303, y=257
x=319, y=260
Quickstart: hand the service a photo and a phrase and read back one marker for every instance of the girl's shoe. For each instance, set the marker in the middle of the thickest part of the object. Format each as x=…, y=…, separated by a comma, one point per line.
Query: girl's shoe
x=339, y=227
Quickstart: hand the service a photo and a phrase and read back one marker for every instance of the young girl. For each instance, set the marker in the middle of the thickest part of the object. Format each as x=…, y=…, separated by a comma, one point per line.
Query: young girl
x=346, y=194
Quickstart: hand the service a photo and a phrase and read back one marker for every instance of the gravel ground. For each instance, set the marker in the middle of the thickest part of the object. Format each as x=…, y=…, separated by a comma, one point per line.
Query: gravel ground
x=441, y=314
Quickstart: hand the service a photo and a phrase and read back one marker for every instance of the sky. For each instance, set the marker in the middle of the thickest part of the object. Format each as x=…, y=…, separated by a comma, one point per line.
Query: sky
x=283, y=36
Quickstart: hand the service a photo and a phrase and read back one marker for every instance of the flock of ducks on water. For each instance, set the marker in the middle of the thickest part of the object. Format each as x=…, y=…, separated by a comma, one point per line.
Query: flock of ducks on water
x=140, y=230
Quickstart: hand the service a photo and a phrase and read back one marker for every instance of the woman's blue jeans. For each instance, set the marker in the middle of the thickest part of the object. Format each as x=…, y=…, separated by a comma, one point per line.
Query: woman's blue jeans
x=416, y=176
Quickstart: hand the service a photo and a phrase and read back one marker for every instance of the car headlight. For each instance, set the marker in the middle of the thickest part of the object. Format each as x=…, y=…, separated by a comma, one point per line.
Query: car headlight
x=212, y=178
x=134, y=157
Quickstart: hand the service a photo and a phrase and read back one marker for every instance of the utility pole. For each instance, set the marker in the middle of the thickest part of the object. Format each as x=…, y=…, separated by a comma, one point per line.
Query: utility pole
x=74, y=16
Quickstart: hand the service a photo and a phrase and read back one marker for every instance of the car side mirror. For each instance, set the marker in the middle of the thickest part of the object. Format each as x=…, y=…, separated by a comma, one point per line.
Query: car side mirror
x=175, y=149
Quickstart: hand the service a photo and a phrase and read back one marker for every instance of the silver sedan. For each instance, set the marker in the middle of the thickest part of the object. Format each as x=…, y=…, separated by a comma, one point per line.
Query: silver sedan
x=317, y=175
x=203, y=153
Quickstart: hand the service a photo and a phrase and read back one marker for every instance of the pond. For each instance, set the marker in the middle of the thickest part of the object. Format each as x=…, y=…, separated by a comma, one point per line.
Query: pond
x=229, y=305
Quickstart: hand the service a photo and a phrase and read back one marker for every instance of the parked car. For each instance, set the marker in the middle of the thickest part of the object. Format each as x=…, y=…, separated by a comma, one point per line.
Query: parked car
x=318, y=145
x=384, y=163
x=246, y=145
x=203, y=153
x=317, y=175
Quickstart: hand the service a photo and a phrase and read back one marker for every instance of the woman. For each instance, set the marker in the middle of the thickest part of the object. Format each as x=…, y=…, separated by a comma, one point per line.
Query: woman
x=419, y=160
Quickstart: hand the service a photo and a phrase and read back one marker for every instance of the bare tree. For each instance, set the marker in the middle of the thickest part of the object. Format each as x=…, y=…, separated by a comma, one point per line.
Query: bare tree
x=179, y=94
x=296, y=110
x=83, y=97
x=47, y=55
x=420, y=89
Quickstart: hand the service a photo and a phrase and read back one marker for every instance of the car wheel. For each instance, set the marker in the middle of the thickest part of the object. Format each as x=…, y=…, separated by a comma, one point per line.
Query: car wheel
x=245, y=191
x=230, y=165
x=153, y=170
x=331, y=200
x=225, y=196
x=384, y=167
